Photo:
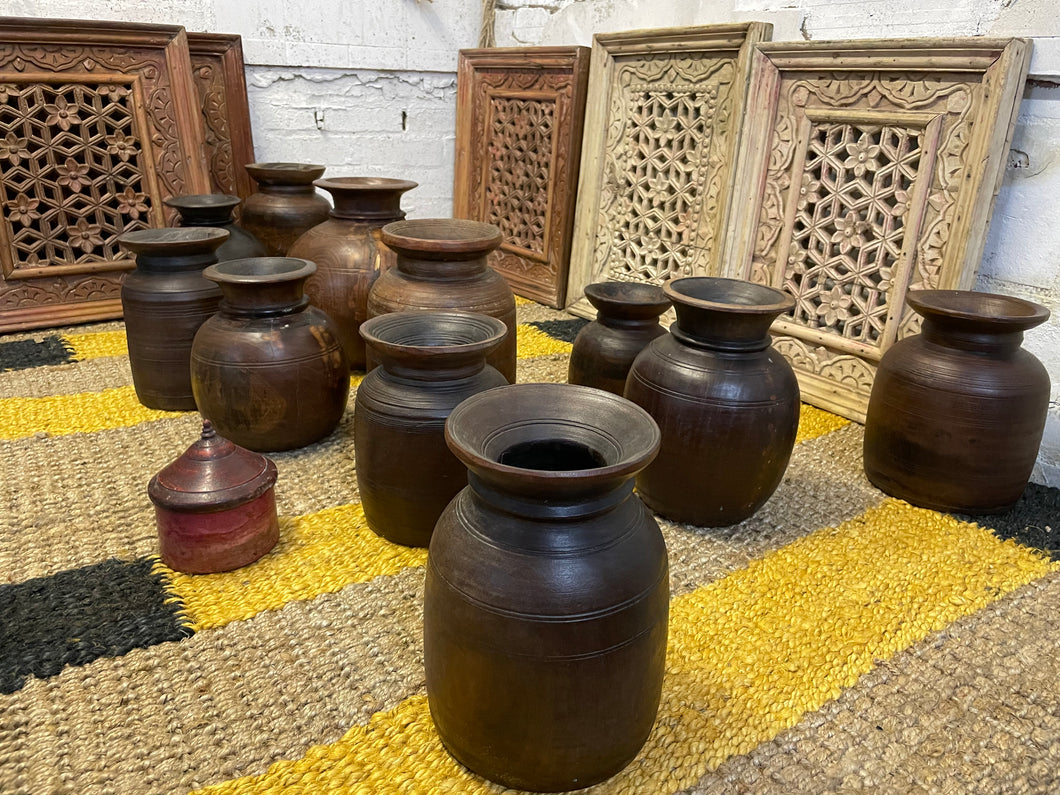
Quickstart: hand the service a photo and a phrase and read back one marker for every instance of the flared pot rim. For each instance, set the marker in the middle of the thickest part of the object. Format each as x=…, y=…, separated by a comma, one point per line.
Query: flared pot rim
x=199, y=201
x=285, y=173
x=435, y=236
x=728, y=295
x=432, y=335
x=638, y=298
x=988, y=310
x=367, y=184
x=173, y=241
x=487, y=425
x=260, y=270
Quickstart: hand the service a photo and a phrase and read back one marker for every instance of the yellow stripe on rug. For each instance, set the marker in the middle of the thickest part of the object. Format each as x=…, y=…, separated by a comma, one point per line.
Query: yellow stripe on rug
x=318, y=553
x=97, y=344
x=814, y=422
x=748, y=655
x=84, y=412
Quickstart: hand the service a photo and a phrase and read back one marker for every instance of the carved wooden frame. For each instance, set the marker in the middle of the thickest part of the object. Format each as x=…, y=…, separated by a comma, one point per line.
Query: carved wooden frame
x=868, y=168
x=140, y=73
x=220, y=79
x=519, y=114
x=626, y=202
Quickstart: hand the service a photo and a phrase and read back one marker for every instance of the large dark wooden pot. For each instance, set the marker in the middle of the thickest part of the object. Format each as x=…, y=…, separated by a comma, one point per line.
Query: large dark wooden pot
x=215, y=210
x=285, y=205
x=957, y=412
x=429, y=363
x=441, y=265
x=268, y=370
x=726, y=402
x=627, y=319
x=165, y=301
x=349, y=253
x=547, y=592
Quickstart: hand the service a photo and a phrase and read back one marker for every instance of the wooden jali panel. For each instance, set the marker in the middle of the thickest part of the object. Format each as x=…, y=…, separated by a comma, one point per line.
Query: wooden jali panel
x=98, y=124
x=658, y=152
x=518, y=144
x=869, y=168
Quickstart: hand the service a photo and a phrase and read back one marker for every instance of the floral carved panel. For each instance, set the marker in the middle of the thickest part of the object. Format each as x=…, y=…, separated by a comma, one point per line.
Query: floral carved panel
x=656, y=174
x=518, y=139
x=98, y=125
x=868, y=169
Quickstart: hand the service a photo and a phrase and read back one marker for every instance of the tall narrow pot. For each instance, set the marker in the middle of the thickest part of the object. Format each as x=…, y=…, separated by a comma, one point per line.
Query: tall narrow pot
x=547, y=594
x=441, y=265
x=349, y=253
x=285, y=206
x=727, y=403
x=429, y=363
x=215, y=210
x=957, y=412
x=165, y=301
x=268, y=370
x=627, y=319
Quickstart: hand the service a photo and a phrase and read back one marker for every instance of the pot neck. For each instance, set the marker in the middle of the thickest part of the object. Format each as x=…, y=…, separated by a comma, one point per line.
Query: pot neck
x=962, y=334
x=380, y=205
x=625, y=323
x=161, y=263
x=441, y=270
x=206, y=216
x=415, y=366
x=273, y=188
x=571, y=500
x=727, y=329
x=263, y=299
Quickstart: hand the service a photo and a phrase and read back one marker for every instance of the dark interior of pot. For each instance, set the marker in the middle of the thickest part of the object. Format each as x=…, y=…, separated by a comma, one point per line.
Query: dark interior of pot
x=551, y=455
x=433, y=329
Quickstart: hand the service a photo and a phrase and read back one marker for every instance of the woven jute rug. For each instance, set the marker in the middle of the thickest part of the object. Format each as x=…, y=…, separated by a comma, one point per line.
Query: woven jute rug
x=838, y=641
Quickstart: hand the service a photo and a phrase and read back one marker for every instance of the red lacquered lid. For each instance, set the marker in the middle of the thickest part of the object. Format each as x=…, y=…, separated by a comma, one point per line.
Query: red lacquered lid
x=213, y=475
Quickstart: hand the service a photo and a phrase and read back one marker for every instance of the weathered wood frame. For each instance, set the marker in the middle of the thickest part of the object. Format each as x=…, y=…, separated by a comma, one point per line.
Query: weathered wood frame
x=613, y=55
x=555, y=76
x=169, y=119
x=958, y=97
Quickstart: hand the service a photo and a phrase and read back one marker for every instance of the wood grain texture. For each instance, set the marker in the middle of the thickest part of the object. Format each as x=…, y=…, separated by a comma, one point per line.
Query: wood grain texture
x=868, y=168
x=657, y=158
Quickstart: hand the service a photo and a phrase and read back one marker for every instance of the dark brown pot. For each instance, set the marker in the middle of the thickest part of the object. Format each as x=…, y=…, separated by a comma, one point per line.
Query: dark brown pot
x=268, y=370
x=349, y=253
x=547, y=594
x=165, y=300
x=215, y=507
x=429, y=363
x=285, y=206
x=726, y=402
x=627, y=319
x=957, y=412
x=215, y=210
x=441, y=265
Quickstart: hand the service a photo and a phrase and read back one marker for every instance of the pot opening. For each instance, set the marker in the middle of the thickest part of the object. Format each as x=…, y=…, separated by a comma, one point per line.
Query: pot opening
x=551, y=455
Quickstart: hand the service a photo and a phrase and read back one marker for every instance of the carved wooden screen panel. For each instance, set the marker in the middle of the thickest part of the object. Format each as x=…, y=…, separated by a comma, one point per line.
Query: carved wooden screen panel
x=657, y=155
x=220, y=80
x=98, y=124
x=868, y=169
x=518, y=145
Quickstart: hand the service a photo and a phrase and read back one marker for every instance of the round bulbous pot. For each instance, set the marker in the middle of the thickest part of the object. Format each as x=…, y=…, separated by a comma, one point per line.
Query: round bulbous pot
x=216, y=210
x=956, y=413
x=349, y=253
x=285, y=205
x=726, y=402
x=627, y=319
x=268, y=369
x=430, y=362
x=441, y=265
x=547, y=594
x=165, y=301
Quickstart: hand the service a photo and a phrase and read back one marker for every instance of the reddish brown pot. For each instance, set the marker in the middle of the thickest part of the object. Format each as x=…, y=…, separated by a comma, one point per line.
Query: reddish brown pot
x=285, y=206
x=268, y=369
x=727, y=403
x=957, y=412
x=441, y=265
x=349, y=253
x=215, y=507
x=165, y=301
x=547, y=593
x=627, y=319
x=429, y=363
x=215, y=210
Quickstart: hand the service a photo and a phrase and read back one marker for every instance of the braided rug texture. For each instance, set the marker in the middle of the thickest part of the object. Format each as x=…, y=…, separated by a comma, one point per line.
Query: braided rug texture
x=837, y=641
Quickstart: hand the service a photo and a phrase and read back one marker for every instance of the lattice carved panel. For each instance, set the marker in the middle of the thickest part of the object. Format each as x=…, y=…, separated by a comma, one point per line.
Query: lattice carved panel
x=518, y=139
x=98, y=125
x=656, y=177
x=868, y=170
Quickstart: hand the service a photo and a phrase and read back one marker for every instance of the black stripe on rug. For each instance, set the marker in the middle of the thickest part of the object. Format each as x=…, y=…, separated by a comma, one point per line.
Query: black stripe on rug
x=79, y=615
x=565, y=330
x=1034, y=521
x=23, y=354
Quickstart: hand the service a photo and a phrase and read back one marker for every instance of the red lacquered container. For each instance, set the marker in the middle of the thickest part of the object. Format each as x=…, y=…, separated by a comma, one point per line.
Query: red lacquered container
x=214, y=506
